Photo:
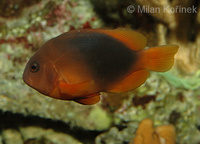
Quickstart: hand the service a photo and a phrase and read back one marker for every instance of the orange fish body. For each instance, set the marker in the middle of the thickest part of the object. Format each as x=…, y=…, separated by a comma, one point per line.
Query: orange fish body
x=79, y=64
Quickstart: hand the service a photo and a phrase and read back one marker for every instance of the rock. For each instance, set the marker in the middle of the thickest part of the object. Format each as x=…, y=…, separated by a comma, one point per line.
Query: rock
x=33, y=134
x=11, y=136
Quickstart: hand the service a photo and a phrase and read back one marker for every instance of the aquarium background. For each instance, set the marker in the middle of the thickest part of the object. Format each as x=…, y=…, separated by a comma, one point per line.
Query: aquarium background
x=28, y=117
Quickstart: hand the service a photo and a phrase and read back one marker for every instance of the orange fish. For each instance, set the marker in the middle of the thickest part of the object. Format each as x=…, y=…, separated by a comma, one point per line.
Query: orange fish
x=80, y=64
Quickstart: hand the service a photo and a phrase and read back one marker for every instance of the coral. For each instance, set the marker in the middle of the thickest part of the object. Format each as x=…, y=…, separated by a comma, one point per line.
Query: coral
x=20, y=37
x=146, y=133
x=11, y=9
x=166, y=98
x=173, y=103
x=169, y=24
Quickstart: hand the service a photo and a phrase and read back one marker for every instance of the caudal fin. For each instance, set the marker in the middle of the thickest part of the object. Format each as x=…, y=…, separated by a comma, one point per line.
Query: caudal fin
x=161, y=58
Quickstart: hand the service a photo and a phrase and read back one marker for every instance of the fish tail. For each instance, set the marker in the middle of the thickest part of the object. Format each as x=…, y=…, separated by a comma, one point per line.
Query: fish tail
x=160, y=58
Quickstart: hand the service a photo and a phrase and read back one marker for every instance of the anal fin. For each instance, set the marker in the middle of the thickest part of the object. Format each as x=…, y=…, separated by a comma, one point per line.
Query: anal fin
x=131, y=82
x=89, y=100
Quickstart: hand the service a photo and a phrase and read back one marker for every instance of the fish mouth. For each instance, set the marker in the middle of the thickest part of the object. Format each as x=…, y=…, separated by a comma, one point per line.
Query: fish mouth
x=30, y=83
x=27, y=80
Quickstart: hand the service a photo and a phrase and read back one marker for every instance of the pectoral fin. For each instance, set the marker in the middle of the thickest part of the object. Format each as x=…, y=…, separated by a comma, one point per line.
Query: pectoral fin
x=75, y=89
x=89, y=100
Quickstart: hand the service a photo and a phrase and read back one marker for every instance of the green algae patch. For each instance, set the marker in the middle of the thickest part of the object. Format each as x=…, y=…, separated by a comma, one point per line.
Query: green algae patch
x=101, y=120
x=190, y=83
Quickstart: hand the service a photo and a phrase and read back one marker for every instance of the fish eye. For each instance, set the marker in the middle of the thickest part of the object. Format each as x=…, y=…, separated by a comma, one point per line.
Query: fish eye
x=34, y=67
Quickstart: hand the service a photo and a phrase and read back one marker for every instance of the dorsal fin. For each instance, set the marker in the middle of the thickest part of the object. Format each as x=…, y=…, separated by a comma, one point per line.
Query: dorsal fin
x=131, y=39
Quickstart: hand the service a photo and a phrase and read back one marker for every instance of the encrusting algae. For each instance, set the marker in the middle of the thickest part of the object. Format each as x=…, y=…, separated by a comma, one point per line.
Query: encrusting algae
x=176, y=94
